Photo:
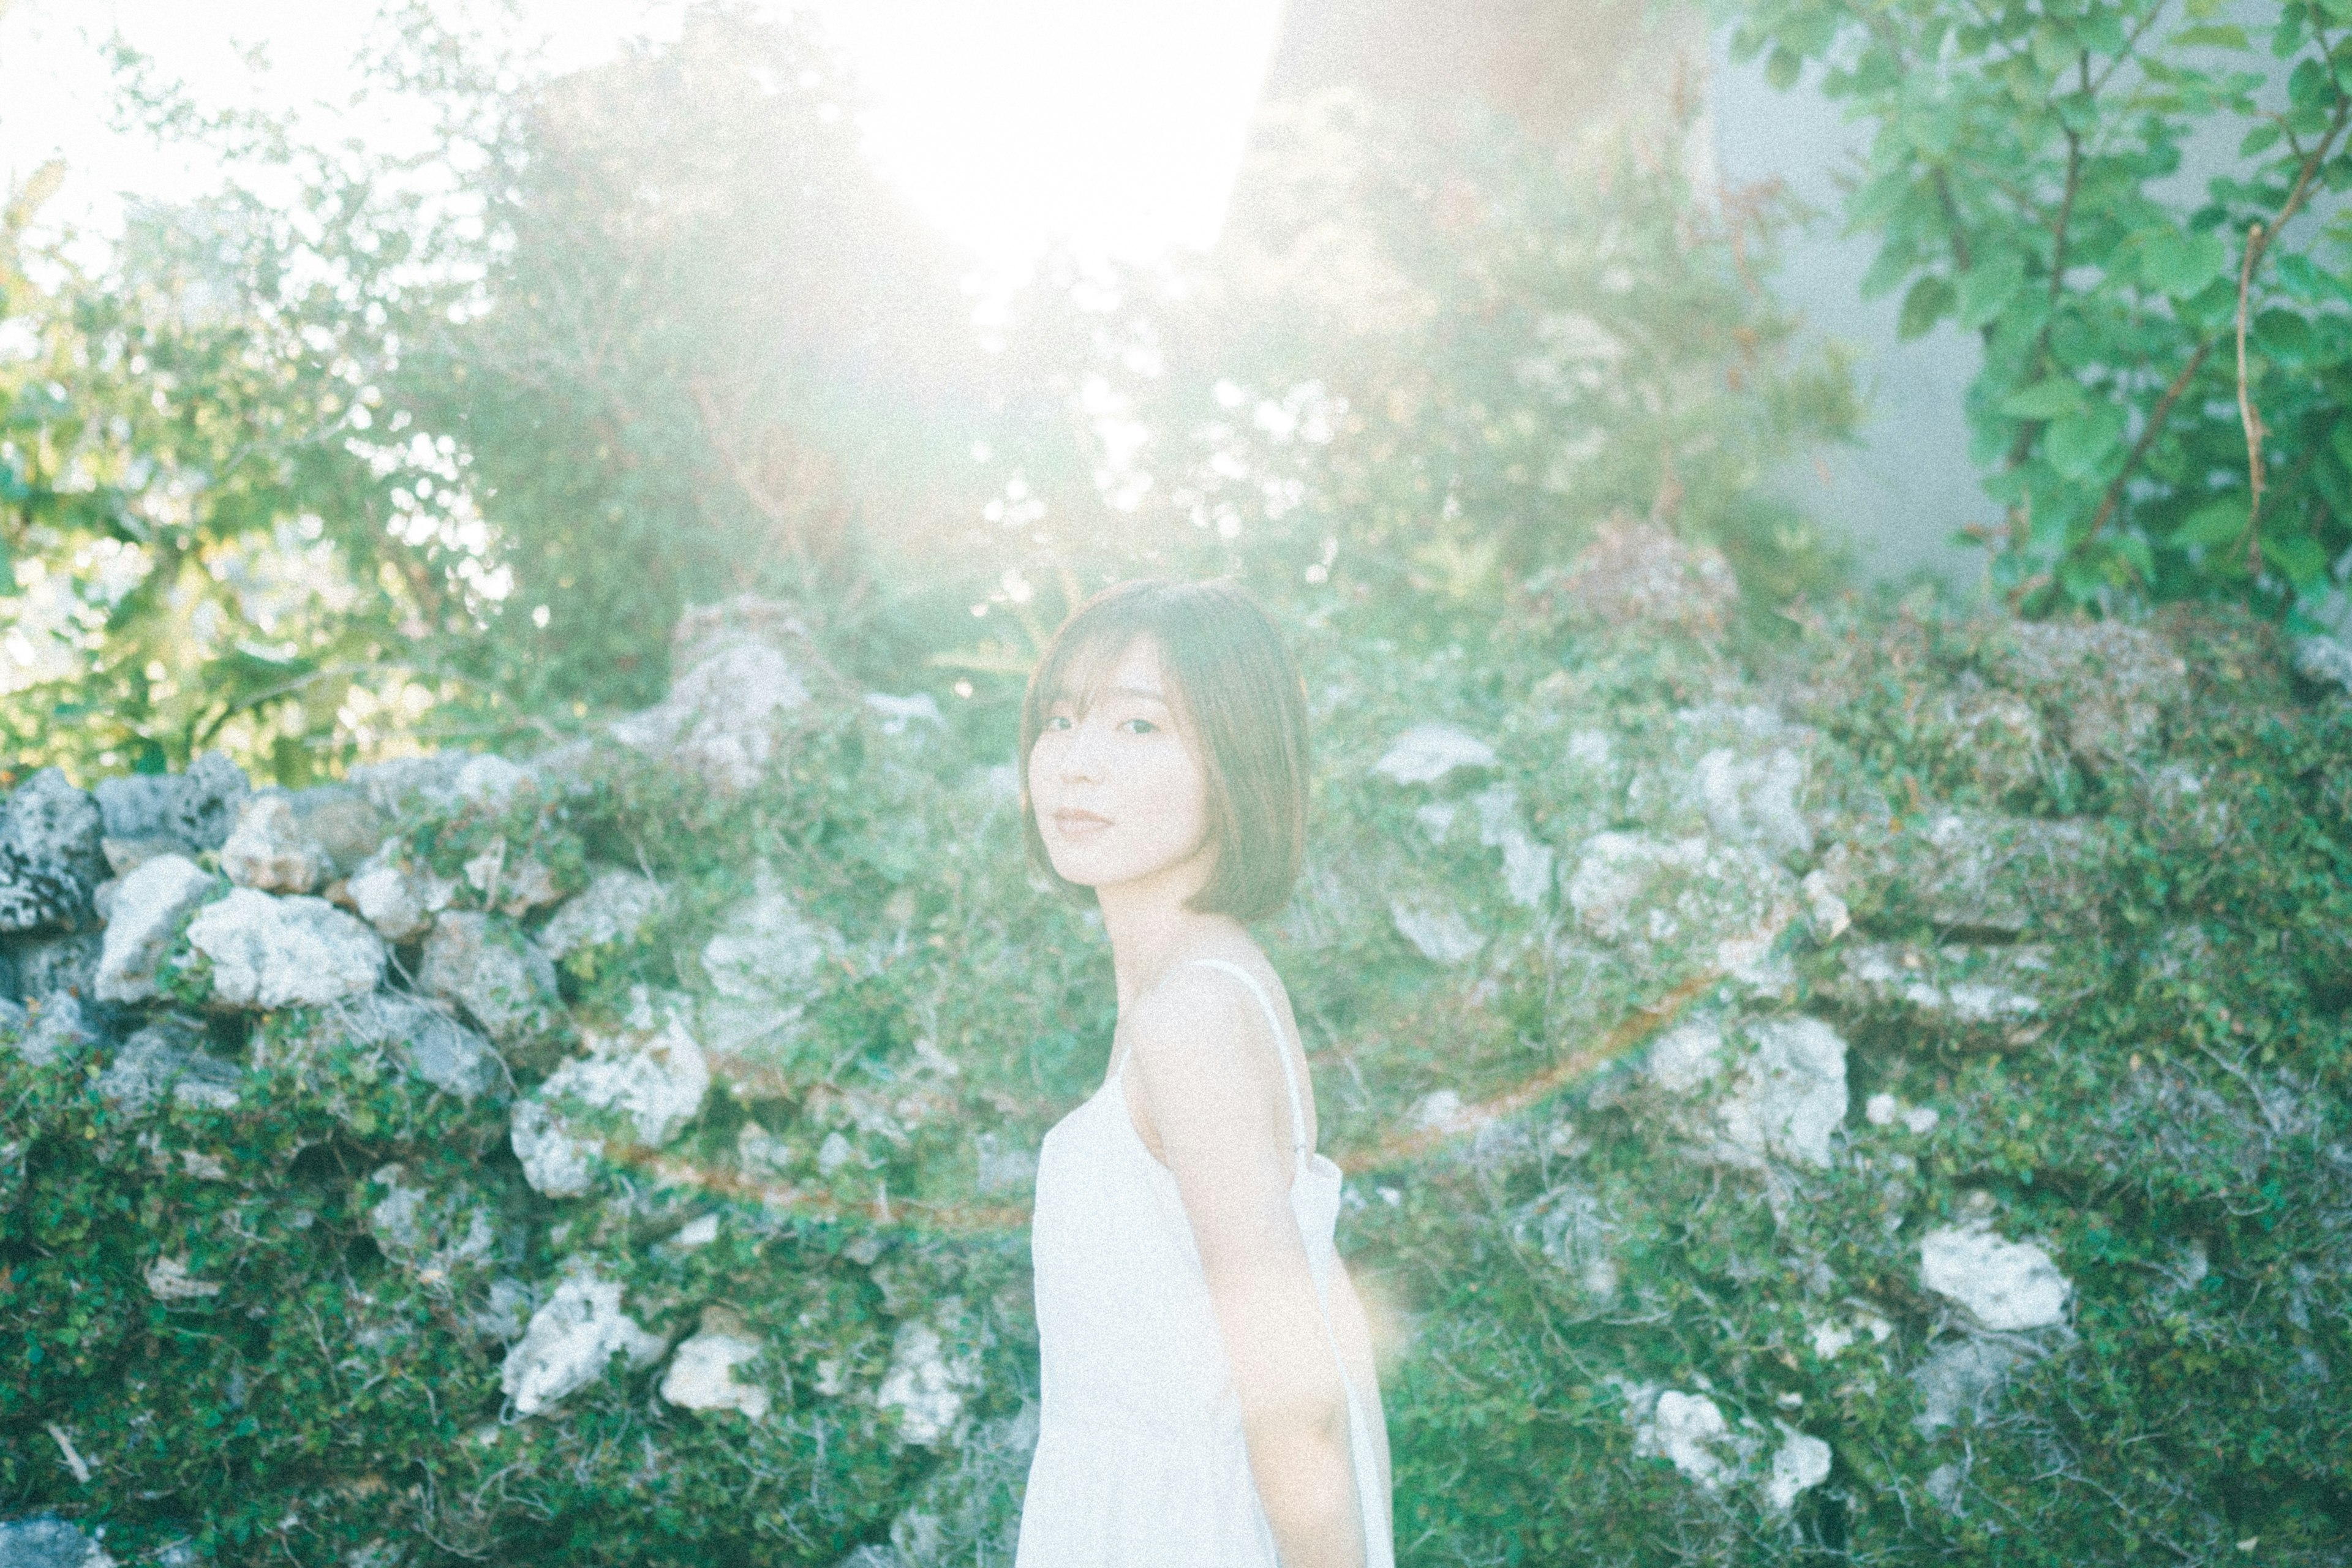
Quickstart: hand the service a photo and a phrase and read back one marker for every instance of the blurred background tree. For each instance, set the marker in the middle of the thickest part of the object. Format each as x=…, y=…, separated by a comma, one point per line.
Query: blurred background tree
x=650, y=333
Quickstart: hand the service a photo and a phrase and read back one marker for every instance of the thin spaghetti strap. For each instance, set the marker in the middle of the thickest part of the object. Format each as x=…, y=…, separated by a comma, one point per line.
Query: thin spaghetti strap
x=1281, y=1050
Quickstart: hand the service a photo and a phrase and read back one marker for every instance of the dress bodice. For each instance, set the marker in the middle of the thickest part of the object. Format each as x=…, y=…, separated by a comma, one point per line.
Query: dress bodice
x=1141, y=1458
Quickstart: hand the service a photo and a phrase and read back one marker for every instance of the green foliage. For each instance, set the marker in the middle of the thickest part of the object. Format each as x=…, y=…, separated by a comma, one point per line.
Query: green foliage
x=654, y=333
x=2168, y=364
x=2167, y=1127
x=167, y=463
x=707, y=353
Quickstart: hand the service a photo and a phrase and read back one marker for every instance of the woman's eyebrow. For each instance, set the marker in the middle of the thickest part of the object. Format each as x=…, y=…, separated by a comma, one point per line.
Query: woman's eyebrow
x=1141, y=692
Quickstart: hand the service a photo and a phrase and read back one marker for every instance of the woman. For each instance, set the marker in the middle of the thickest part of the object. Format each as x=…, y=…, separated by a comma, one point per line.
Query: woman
x=1209, y=1394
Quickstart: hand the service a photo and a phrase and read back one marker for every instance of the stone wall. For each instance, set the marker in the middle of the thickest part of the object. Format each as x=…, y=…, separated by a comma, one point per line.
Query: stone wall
x=1776, y=1093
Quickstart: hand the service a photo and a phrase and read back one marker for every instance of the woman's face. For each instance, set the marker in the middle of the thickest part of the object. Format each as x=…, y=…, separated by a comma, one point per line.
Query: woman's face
x=1118, y=792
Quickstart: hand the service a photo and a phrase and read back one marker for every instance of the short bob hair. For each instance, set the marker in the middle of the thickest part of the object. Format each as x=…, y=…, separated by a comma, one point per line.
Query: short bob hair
x=1236, y=695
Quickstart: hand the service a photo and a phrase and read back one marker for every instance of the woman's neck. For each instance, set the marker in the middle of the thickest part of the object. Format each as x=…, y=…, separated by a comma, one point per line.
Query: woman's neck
x=1151, y=931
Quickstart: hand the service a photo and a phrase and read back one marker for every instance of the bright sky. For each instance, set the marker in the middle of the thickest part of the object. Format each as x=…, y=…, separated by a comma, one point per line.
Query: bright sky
x=1117, y=124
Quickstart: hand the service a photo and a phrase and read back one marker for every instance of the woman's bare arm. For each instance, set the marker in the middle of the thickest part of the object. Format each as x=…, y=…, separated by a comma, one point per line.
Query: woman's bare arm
x=1214, y=1099
x=1351, y=1326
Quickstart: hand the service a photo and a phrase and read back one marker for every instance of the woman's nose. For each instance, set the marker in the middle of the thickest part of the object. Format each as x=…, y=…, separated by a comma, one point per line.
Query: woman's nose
x=1082, y=757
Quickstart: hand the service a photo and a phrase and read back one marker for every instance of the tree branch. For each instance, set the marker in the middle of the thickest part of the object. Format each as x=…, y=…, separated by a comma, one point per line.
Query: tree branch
x=2248, y=417
x=2257, y=246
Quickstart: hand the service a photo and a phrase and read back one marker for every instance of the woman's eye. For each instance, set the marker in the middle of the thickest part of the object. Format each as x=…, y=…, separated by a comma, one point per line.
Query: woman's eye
x=1057, y=722
x=1146, y=728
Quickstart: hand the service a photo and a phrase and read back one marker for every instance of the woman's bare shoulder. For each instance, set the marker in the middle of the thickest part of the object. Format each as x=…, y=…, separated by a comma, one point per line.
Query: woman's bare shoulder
x=1195, y=1017
x=1201, y=1047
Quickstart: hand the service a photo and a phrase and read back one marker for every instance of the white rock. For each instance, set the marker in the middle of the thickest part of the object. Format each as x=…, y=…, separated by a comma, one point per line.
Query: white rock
x=925, y=1388
x=658, y=1083
x=765, y=946
x=571, y=1342
x=1971, y=1003
x=719, y=718
x=168, y=1280
x=1882, y=1110
x=701, y=1374
x=1436, y=818
x=898, y=712
x=1527, y=865
x=503, y=1313
x=283, y=952
x=45, y=1541
x=1611, y=875
x=655, y=1079
x=1003, y=1167
x=1829, y=913
x=268, y=850
x=697, y=1232
x=397, y=896
x=433, y=1234
x=761, y=965
x=1591, y=749
x=1832, y=1340
x=1687, y=1055
x=1438, y=1108
x=834, y=1154
x=556, y=1161
x=1427, y=753
x=1921, y=1119
x=614, y=906
x=1436, y=929
x=1958, y=1381
x=2006, y=1285
x=1802, y=1462
x=2325, y=660
x=1755, y=800
x=52, y=853
x=147, y=904
x=1790, y=1098
x=761, y=1154
x=1686, y=1430
x=423, y=1036
x=510, y=884
x=165, y=1056
x=490, y=780
x=491, y=971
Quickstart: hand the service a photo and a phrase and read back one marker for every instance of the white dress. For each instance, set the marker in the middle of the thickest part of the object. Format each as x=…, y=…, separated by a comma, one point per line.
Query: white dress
x=1141, y=1462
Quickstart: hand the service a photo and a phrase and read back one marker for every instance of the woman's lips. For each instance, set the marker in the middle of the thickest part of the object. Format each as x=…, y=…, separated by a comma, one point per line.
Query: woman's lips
x=1079, y=823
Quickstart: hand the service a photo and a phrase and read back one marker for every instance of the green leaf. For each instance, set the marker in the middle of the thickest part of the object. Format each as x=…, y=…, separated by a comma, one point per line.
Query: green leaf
x=2211, y=36
x=2310, y=282
x=2283, y=336
x=2261, y=139
x=2054, y=47
x=2215, y=522
x=2079, y=444
x=2135, y=550
x=1783, y=69
x=2307, y=86
x=2339, y=441
x=2298, y=558
x=2050, y=399
x=2179, y=264
x=1930, y=299
x=1987, y=288
x=1886, y=269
